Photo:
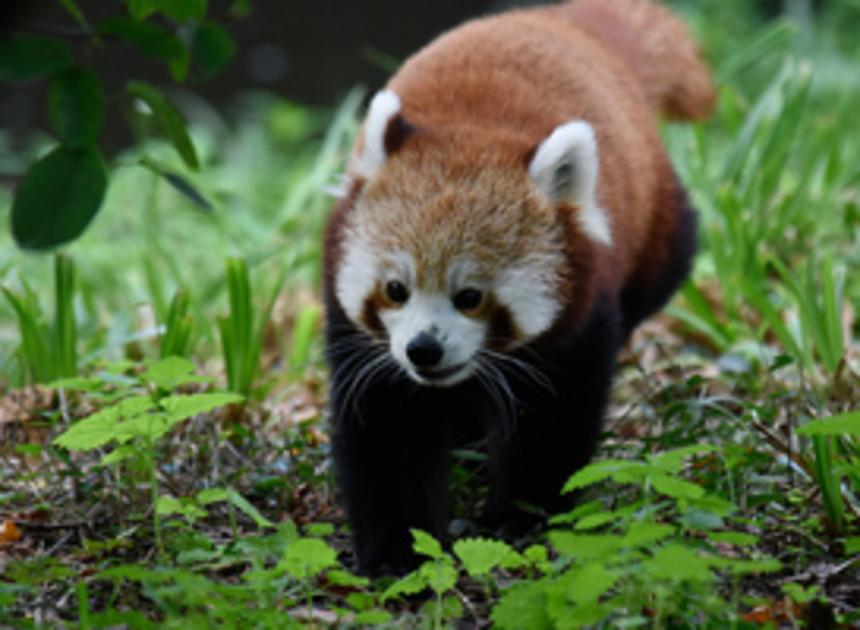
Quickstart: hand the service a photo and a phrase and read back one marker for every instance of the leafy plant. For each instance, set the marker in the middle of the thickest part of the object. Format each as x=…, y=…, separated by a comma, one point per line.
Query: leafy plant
x=48, y=352
x=135, y=424
x=63, y=191
x=242, y=330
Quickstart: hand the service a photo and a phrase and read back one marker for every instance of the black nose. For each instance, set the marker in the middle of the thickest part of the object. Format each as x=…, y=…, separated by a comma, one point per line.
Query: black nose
x=424, y=351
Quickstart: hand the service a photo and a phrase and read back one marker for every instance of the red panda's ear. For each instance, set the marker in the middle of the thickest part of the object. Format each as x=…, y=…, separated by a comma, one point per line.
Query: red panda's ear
x=385, y=129
x=565, y=169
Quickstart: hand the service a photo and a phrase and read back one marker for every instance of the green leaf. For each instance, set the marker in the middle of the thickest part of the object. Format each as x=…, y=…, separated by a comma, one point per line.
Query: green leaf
x=678, y=563
x=26, y=57
x=100, y=428
x=481, y=555
x=424, y=544
x=169, y=119
x=169, y=373
x=642, y=534
x=674, y=460
x=185, y=406
x=409, y=584
x=76, y=106
x=738, y=539
x=584, y=546
x=440, y=576
x=373, y=618
x=585, y=585
x=599, y=471
x=165, y=506
x=212, y=495
x=141, y=9
x=339, y=577
x=523, y=606
x=676, y=488
x=211, y=50
x=149, y=38
x=182, y=10
x=58, y=198
x=307, y=557
x=250, y=511
x=841, y=424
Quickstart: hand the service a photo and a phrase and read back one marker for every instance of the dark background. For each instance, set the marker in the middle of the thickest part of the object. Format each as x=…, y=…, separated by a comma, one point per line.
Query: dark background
x=308, y=51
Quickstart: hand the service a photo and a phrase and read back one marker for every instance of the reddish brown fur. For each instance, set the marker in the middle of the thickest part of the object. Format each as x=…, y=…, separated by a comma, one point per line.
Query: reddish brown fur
x=491, y=90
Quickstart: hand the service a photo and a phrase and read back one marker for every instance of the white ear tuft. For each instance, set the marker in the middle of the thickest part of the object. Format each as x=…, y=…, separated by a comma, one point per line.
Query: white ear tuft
x=565, y=168
x=384, y=106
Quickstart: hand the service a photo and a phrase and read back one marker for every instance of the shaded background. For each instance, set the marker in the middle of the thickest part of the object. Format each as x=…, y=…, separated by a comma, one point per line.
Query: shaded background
x=310, y=52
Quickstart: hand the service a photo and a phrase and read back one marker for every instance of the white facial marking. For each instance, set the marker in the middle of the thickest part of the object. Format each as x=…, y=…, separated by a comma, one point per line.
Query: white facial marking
x=529, y=296
x=356, y=276
x=384, y=106
x=565, y=168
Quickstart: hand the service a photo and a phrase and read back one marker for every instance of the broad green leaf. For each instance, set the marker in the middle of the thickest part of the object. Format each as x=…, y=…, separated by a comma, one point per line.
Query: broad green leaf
x=599, y=471
x=585, y=585
x=148, y=426
x=678, y=563
x=211, y=50
x=593, y=521
x=481, y=555
x=76, y=106
x=253, y=513
x=674, y=460
x=169, y=119
x=841, y=424
x=643, y=533
x=26, y=57
x=738, y=539
x=141, y=9
x=119, y=454
x=185, y=406
x=212, y=495
x=100, y=428
x=77, y=384
x=166, y=506
x=409, y=584
x=307, y=557
x=584, y=546
x=424, y=544
x=58, y=198
x=169, y=373
x=440, y=576
x=676, y=488
x=338, y=577
x=523, y=606
x=373, y=618
x=149, y=38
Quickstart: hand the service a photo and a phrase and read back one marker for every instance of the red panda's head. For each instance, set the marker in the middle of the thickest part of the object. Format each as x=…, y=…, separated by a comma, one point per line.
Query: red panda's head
x=455, y=248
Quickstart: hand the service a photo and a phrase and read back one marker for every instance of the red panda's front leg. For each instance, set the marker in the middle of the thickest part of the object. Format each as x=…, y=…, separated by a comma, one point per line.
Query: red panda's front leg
x=388, y=454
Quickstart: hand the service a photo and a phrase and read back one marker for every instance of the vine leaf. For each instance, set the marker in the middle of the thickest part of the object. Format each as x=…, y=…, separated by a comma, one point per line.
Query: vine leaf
x=168, y=118
x=59, y=196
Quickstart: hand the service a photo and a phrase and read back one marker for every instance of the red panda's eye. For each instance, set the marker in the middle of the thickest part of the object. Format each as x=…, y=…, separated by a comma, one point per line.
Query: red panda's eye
x=396, y=291
x=468, y=299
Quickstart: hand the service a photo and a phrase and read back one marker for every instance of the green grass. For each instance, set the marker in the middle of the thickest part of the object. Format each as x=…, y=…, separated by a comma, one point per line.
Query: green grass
x=719, y=461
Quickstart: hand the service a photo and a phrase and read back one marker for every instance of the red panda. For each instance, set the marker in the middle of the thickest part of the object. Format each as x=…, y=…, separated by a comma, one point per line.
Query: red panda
x=511, y=216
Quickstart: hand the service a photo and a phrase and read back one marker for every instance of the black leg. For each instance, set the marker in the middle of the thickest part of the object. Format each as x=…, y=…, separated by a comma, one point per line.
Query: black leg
x=556, y=433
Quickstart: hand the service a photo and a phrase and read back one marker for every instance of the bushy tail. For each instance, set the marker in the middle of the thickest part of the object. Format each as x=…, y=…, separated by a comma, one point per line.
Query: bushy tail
x=657, y=47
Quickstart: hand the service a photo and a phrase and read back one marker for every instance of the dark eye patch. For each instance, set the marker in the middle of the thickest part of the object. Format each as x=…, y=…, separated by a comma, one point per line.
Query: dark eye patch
x=396, y=291
x=468, y=299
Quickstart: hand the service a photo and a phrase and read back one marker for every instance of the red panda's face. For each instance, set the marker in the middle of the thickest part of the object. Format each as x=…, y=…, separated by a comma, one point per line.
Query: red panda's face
x=449, y=269
x=454, y=251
